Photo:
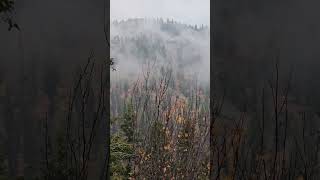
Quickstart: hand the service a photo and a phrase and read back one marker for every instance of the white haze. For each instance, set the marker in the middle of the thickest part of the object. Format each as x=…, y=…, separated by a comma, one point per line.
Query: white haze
x=195, y=44
x=187, y=11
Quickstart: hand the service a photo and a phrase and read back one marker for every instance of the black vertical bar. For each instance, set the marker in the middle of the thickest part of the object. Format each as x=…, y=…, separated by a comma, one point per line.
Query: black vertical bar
x=105, y=173
x=212, y=27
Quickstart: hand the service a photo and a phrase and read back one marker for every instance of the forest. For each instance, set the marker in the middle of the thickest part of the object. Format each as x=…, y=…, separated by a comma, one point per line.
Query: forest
x=260, y=125
x=159, y=100
x=83, y=97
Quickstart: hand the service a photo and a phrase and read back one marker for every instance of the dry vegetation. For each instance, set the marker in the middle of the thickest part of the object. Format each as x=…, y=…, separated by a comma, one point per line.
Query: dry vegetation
x=169, y=131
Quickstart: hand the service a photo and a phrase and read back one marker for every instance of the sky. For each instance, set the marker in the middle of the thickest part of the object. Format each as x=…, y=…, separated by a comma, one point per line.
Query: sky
x=185, y=11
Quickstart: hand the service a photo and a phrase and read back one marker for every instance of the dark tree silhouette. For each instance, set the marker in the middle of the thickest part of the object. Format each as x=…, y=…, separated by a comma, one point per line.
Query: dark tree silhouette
x=6, y=13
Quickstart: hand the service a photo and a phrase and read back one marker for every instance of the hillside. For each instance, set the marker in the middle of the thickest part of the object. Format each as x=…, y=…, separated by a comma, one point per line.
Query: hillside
x=137, y=41
x=160, y=107
x=159, y=99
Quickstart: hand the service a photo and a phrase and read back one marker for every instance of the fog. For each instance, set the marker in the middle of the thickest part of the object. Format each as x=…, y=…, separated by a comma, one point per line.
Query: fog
x=187, y=11
x=56, y=37
x=178, y=45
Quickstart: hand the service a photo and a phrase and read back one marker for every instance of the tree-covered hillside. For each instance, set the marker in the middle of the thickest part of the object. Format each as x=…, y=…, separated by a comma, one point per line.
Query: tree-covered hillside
x=160, y=100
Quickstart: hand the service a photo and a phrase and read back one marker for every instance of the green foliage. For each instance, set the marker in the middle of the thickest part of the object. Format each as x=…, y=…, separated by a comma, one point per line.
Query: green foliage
x=127, y=125
x=121, y=147
x=121, y=152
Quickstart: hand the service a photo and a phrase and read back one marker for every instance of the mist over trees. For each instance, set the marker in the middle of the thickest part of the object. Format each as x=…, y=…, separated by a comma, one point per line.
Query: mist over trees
x=264, y=119
x=159, y=100
x=260, y=120
x=136, y=41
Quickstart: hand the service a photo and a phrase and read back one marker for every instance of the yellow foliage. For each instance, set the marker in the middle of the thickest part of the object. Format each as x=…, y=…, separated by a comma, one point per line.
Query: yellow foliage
x=179, y=120
x=166, y=147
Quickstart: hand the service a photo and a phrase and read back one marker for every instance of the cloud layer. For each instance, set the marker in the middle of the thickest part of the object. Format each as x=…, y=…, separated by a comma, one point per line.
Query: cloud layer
x=186, y=11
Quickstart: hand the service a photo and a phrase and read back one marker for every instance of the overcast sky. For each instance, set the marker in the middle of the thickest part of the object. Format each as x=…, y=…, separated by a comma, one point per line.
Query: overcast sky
x=186, y=11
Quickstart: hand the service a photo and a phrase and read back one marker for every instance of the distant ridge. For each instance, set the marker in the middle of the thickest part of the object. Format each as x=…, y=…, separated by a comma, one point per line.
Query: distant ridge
x=136, y=41
x=159, y=21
